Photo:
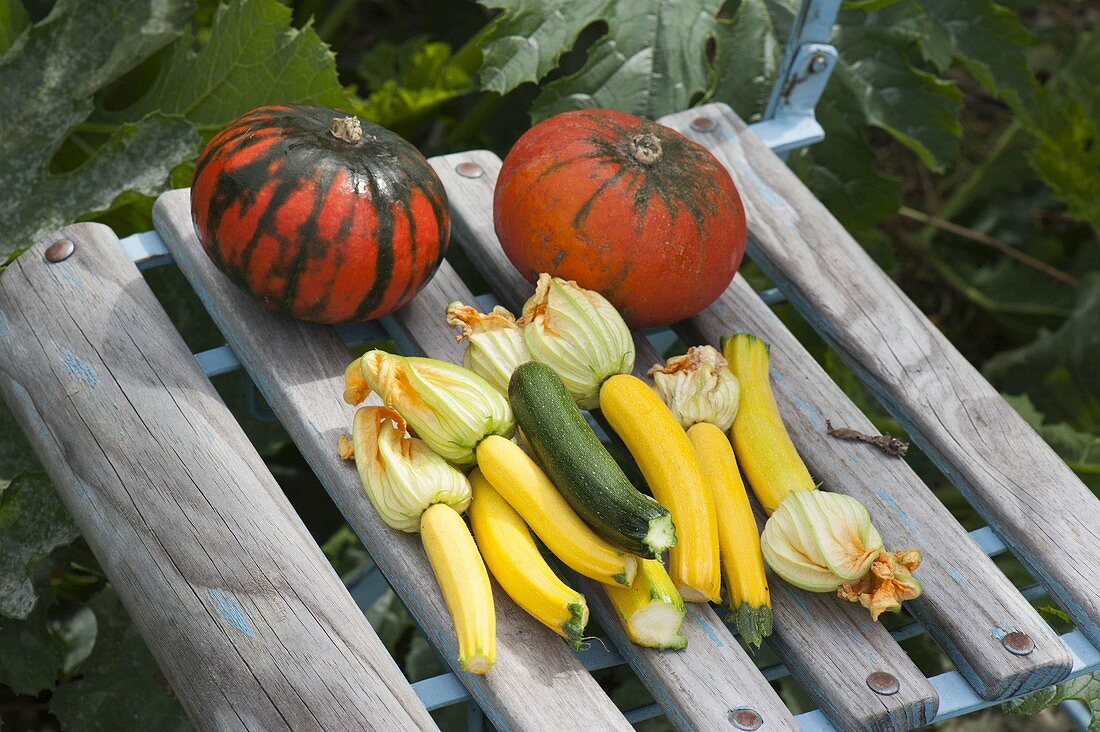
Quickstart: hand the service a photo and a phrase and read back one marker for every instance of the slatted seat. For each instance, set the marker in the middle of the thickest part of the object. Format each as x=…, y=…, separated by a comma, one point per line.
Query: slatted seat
x=254, y=630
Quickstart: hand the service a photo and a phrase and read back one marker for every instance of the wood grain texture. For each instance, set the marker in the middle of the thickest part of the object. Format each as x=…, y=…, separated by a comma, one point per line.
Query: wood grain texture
x=1035, y=503
x=815, y=635
x=537, y=682
x=236, y=601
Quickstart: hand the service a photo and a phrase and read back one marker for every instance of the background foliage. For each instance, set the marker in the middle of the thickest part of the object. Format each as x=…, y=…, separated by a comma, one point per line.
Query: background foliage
x=962, y=149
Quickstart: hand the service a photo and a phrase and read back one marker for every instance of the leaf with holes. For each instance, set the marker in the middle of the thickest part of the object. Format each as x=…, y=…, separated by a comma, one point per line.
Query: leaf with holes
x=525, y=42
x=48, y=78
x=652, y=61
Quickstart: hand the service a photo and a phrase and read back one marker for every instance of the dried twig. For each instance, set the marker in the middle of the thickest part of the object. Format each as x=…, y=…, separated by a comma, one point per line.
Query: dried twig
x=887, y=443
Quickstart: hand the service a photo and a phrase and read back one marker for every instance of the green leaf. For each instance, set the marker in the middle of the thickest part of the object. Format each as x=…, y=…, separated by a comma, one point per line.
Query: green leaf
x=409, y=80
x=1060, y=370
x=987, y=39
x=877, y=82
x=1084, y=688
x=48, y=79
x=33, y=522
x=15, y=452
x=652, y=61
x=1080, y=450
x=747, y=56
x=525, y=42
x=840, y=170
x=121, y=686
x=254, y=57
x=30, y=655
x=136, y=157
x=13, y=21
x=1067, y=132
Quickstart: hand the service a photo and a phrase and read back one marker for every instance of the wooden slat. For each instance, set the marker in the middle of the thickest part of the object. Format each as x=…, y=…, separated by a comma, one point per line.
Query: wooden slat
x=236, y=601
x=537, y=682
x=831, y=647
x=1049, y=519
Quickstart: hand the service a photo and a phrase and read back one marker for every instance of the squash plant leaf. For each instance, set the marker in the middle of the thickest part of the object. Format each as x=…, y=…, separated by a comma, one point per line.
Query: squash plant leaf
x=1060, y=370
x=651, y=62
x=49, y=76
x=747, y=55
x=525, y=42
x=33, y=522
x=1066, y=128
x=986, y=39
x=121, y=686
x=30, y=655
x=407, y=81
x=1084, y=688
x=254, y=57
x=13, y=21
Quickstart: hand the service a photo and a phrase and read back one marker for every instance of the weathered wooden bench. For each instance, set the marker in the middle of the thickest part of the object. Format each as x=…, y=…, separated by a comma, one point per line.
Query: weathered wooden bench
x=253, y=628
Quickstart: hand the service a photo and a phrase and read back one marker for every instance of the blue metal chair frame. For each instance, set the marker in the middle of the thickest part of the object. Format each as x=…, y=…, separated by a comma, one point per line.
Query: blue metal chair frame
x=788, y=124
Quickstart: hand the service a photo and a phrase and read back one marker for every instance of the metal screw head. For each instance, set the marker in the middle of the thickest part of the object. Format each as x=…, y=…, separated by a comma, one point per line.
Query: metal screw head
x=883, y=683
x=60, y=250
x=703, y=124
x=746, y=718
x=469, y=170
x=1017, y=643
x=817, y=63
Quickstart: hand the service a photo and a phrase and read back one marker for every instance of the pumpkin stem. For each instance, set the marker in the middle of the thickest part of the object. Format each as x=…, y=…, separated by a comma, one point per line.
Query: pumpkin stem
x=348, y=129
x=645, y=148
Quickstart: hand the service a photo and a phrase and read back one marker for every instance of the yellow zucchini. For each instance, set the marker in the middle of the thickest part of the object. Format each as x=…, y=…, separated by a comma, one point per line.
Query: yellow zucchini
x=760, y=441
x=514, y=559
x=651, y=609
x=527, y=489
x=664, y=454
x=465, y=584
x=738, y=536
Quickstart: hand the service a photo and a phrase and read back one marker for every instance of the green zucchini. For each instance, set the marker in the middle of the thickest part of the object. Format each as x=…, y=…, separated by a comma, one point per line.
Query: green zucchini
x=578, y=464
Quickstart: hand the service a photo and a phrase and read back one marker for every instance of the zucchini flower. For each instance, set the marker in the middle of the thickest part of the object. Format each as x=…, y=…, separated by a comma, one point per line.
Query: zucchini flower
x=579, y=334
x=450, y=408
x=825, y=542
x=495, y=342
x=401, y=474
x=698, y=387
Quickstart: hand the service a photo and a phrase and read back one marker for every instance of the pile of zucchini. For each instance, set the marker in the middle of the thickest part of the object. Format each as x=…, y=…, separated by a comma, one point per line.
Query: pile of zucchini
x=550, y=491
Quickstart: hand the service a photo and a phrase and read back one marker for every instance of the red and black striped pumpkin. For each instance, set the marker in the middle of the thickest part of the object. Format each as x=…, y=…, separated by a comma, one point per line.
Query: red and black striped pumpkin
x=624, y=206
x=319, y=215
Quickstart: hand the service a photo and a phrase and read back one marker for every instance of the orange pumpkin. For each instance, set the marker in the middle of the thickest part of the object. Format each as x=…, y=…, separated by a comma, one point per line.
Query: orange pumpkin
x=624, y=206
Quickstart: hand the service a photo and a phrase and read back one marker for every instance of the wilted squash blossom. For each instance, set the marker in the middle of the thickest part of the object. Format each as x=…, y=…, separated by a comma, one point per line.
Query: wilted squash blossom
x=824, y=542
x=579, y=334
x=401, y=475
x=698, y=387
x=495, y=344
x=449, y=407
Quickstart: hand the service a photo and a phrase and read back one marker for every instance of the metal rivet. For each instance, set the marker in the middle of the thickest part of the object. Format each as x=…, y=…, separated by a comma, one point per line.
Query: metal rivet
x=469, y=170
x=883, y=683
x=745, y=718
x=817, y=62
x=1018, y=643
x=703, y=124
x=60, y=250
